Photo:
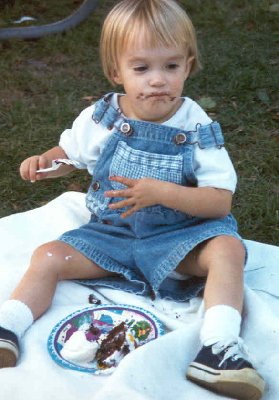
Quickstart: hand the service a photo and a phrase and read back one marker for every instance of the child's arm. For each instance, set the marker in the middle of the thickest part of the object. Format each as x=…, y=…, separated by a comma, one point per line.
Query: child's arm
x=205, y=202
x=29, y=166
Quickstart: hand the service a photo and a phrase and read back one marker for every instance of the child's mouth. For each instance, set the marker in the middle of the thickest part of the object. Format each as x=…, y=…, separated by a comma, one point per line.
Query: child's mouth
x=156, y=95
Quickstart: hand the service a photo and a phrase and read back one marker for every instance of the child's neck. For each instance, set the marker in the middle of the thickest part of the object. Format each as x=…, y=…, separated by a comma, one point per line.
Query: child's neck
x=128, y=112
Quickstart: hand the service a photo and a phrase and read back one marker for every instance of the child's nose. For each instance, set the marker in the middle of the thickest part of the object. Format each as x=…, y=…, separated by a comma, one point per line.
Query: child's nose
x=157, y=79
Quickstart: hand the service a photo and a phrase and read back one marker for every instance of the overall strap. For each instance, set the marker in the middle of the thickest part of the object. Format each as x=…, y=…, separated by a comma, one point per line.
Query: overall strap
x=105, y=112
x=210, y=135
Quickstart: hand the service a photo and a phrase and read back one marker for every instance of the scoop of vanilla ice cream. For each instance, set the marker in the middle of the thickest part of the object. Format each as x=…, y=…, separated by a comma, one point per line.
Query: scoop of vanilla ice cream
x=78, y=349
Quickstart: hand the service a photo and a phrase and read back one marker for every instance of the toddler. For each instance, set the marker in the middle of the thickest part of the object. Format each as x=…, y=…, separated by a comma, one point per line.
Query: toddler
x=160, y=197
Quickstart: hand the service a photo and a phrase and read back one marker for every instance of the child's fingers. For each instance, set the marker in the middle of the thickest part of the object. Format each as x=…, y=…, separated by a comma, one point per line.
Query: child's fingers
x=33, y=166
x=28, y=168
x=118, y=193
x=42, y=162
x=129, y=212
x=25, y=169
x=122, y=204
x=125, y=181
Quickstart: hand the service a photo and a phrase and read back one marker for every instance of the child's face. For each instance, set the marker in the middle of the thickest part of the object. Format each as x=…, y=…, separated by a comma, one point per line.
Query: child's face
x=153, y=80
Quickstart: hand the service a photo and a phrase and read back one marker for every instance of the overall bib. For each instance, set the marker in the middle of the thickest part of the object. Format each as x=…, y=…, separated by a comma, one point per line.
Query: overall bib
x=147, y=246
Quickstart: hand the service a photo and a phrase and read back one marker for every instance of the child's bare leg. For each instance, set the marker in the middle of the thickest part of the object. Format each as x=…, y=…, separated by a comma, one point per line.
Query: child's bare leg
x=221, y=364
x=221, y=259
x=51, y=263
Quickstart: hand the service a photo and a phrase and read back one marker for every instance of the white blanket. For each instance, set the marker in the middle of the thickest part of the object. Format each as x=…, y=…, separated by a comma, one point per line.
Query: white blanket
x=155, y=371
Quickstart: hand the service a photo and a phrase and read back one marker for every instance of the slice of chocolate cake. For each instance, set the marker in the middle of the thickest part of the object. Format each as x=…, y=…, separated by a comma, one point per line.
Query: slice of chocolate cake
x=118, y=342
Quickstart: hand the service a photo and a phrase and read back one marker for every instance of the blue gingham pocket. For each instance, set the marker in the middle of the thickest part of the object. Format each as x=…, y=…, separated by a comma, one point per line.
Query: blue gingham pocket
x=137, y=164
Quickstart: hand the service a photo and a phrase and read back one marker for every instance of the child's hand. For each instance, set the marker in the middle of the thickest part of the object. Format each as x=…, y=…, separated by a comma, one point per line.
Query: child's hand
x=139, y=193
x=29, y=167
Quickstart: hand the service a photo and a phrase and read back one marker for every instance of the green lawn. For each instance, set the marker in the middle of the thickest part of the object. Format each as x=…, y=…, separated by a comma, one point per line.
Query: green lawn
x=46, y=83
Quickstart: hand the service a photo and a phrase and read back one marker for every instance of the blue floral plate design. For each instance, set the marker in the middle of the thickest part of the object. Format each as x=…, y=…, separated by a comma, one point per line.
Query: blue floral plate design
x=143, y=325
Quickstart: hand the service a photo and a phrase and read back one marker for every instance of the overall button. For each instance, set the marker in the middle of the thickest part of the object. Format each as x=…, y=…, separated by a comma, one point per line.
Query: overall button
x=126, y=128
x=180, y=138
x=96, y=186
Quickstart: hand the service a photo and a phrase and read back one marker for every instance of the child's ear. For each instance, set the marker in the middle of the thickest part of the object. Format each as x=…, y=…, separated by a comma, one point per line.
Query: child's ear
x=116, y=77
x=188, y=67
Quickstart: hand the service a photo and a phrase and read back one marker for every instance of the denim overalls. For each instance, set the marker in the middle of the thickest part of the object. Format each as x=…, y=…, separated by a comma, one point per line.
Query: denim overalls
x=145, y=247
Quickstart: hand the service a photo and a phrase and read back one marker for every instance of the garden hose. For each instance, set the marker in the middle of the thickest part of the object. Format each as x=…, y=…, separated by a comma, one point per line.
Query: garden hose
x=35, y=32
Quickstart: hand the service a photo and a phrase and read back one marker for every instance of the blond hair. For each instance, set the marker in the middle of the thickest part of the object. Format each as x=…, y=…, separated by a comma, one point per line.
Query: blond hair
x=162, y=22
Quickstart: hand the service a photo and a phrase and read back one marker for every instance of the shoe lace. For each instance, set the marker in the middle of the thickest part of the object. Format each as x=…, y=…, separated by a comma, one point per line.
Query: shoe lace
x=234, y=348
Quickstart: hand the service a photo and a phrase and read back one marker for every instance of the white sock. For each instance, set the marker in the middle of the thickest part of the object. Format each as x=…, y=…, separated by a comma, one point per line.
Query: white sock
x=16, y=317
x=220, y=323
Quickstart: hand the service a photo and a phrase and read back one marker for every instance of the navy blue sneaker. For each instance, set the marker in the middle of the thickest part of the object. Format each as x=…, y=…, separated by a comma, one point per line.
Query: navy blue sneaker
x=9, y=348
x=224, y=368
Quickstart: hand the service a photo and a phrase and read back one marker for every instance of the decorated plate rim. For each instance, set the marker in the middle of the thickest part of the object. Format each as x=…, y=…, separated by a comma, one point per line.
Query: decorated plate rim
x=157, y=324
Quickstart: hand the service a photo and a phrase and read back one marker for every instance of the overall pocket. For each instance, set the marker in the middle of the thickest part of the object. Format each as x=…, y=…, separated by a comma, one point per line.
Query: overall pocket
x=137, y=164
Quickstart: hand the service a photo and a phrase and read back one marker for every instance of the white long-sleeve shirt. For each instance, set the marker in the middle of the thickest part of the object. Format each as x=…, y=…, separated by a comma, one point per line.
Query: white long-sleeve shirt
x=85, y=141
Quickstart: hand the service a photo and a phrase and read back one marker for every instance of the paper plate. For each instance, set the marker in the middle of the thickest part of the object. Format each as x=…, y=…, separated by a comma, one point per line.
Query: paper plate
x=143, y=325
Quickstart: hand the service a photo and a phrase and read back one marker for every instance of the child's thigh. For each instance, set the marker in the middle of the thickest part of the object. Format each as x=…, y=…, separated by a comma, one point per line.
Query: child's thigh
x=65, y=261
x=219, y=250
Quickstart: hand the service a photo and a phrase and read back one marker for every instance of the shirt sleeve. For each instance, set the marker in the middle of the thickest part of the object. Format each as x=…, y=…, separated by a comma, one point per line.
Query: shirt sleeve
x=85, y=141
x=68, y=143
x=213, y=167
x=71, y=140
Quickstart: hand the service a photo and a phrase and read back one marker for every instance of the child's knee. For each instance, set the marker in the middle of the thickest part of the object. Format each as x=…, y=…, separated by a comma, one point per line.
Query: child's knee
x=44, y=250
x=47, y=255
x=230, y=248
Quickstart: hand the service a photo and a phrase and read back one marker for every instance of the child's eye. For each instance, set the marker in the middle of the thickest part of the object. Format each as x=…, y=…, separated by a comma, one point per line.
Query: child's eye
x=172, y=66
x=140, y=68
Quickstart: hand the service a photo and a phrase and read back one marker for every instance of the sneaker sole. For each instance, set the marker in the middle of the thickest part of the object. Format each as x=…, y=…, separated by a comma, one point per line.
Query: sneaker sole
x=245, y=384
x=8, y=354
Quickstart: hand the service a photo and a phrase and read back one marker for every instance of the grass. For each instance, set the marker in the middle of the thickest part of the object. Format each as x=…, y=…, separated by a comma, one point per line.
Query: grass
x=46, y=83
